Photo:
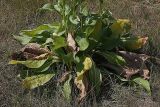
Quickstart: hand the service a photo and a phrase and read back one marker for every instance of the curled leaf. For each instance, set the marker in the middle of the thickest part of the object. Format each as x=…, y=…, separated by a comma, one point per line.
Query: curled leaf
x=81, y=79
x=31, y=51
x=135, y=65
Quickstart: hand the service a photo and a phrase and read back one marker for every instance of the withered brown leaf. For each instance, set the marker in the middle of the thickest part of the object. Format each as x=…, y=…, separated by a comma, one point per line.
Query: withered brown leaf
x=31, y=51
x=71, y=42
x=135, y=65
x=82, y=85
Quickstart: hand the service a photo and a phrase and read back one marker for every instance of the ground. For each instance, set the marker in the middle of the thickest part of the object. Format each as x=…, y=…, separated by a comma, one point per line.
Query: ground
x=23, y=14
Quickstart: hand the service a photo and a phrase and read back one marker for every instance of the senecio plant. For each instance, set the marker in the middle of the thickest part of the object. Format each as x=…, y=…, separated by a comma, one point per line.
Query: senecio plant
x=86, y=45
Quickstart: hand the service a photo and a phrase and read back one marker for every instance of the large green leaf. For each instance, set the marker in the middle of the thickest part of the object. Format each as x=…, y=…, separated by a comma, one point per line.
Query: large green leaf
x=29, y=63
x=37, y=31
x=83, y=43
x=96, y=34
x=23, y=39
x=36, y=80
x=143, y=83
x=46, y=65
x=59, y=42
x=68, y=58
x=113, y=58
x=95, y=78
x=67, y=89
x=109, y=43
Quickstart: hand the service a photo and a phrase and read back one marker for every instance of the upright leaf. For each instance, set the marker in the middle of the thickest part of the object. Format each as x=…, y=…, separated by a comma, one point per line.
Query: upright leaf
x=95, y=78
x=67, y=89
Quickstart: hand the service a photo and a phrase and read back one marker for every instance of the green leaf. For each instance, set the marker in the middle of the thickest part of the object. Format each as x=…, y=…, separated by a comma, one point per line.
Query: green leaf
x=109, y=43
x=95, y=78
x=95, y=36
x=120, y=26
x=23, y=39
x=83, y=43
x=37, y=31
x=29, y=63
x=142, y=82
x=67, y=89
x=133, y=43
x=46, y=65
x=48, y=6
x=58, y=8
x=113, y=58
x=67, y=10
x=74, y=19
x=84, y=10
x=68, y=58
x=36, y=80
x=59, y=42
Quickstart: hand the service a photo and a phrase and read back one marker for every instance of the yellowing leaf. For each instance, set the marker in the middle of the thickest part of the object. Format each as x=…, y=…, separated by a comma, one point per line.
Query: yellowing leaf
x=87, y=63
x=118, y=27
x=81, y=80
x=82, y=85
x=13, y=62
x=134, y=43
x=29, y=63
x=87, y=66
x=36, y=81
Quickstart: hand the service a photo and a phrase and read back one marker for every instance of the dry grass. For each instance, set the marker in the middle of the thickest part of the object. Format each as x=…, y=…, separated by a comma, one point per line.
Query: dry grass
x=21, y=14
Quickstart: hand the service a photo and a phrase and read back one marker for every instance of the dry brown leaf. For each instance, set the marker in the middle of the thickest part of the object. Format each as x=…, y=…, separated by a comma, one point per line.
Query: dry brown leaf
x=82, y=85
x=35, y=49
x=71, y=43
x=135, y=65
x=31, y=51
